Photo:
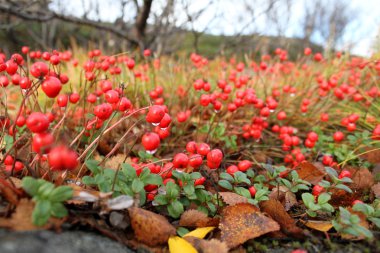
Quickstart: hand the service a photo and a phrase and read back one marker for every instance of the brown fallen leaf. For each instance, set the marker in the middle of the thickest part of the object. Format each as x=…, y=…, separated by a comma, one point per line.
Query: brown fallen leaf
x=114, y=161
x=195, y=218
x=322, y=226
x=8, y=192
x=242, y=222
x=150, y=228
x=372, y=155
x=362, y=178
x=231, y=198
x=285, y=196
x=376, y=190
x=21, y=219
x=207, y=246
x=343, y=198
x=309, y=172
x=277, y=212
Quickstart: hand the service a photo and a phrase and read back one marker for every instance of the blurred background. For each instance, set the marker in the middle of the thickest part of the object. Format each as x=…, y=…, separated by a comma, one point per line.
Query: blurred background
x=208, y=27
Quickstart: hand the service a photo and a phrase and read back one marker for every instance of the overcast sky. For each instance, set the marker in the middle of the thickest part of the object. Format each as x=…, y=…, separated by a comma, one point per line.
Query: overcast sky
x=232, y=16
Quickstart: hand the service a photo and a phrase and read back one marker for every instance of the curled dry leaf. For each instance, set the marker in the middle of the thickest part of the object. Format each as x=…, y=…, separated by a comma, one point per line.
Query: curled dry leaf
x=376, y=190
x=150, y=228
x=8, y=192
x=322, y=226
x=276, y=211
x=21, y=219
x=362, y=178
x=343, y=198
x=285, y=196
x=206, y=246
x=231, y=198
x=119, y=203
x=310, y=173
x=242, y=222
x=195, y=218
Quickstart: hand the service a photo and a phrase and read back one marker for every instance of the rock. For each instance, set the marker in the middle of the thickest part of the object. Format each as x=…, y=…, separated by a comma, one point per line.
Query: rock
x=50, y=242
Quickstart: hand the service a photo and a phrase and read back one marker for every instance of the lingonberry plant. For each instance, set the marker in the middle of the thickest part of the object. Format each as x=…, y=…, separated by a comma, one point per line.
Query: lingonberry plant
x=175, y=135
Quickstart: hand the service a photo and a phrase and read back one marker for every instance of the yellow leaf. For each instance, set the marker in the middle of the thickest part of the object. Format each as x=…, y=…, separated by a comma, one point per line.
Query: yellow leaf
x=200, y=232
x=322, y=226
x=179, y=245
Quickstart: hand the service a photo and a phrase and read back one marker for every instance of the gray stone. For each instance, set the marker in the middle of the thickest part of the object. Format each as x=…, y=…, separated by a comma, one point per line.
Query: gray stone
x=51, y=242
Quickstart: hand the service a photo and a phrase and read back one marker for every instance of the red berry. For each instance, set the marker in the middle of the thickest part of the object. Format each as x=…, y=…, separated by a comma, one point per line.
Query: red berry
x=232, y=169
x=215, y=156
x=252, y=191
x=180, y=160
x=42, y=142
x=39, y=69
x=317, y=189
x=51, y=86
x=103, y=111
x=195, y=160
x=203, y=149
x=344, y=173
x=37, y=122
x=244, y=165
x=150, y=141
x=199, y=181
x=62, y=100
x=74, y=98
x=191, y=147
x=338, y=136
x=155, y=114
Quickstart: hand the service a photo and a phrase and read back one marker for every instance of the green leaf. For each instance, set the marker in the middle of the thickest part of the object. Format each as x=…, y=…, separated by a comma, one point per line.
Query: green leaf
x=58, y=210
x=331, y=172
x=137, y=185
x=346, y=180
x=92, y=165
x=196, y=175
x=343, y=187
x=225, y=184
x=128, y=171
x=324, y=184
x=30, y=185
x=145, y=173
x=87, y=180
x=181, y=231
x=243, y=192
x=189, y=189
x=161, y=200
x=175, y=209
x=41, y=212
x=61, y=193
x=375, y=221
x=240, y=177
x=45, y=189
x=226, y=176
x=323, y=198
x=307, y=198
x=172, y=190
x=153, y=179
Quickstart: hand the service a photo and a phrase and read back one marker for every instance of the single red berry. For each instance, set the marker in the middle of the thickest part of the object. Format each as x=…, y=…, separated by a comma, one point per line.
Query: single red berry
x=203, y=149
x=317, y=189
x=191, y=147
x=103, y=111
x=244, y=165
x=199, y=181
x=51, y=86
x=180, y=160
x=155, y=114
x=344, y=173
x=338, y=136
x=215, y=156
x=37, y=122
x=195, y=160
x=252, y=191
x=42, y=142
x=39, y=69
x=74, y=98
x=232, y=169
x=150, y=141
x=62, y=100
